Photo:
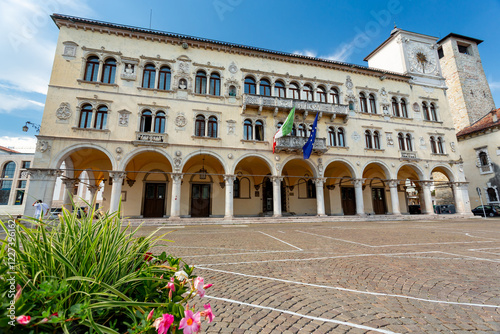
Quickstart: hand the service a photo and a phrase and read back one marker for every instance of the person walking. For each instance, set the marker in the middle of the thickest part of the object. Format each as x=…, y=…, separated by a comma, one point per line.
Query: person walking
x=41, y=209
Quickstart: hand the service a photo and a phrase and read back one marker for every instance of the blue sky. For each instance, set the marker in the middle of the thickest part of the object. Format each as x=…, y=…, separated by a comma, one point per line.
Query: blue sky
x=346, y=30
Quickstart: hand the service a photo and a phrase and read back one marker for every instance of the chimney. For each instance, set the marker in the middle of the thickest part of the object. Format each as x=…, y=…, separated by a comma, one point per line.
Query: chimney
x=494, y=115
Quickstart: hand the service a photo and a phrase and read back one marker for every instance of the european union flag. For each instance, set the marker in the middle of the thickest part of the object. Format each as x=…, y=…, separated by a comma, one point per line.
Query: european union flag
x=308, y=147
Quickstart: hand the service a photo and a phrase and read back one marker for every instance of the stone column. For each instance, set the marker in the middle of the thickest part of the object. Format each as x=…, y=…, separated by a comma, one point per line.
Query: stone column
x=277, y=196
x=42, y=184
x=93, y=193
x=320, y=197
x=358, y=191
x=393, y=186
x=428, y=208
x=157, y=79
x=100, y=70
x=462, y=202
x=175, y=206
x=229, y=196
x=116, y=190
x=69, y=187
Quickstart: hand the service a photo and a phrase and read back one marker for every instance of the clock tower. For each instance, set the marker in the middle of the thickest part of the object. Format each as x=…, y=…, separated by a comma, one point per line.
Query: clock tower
x=412, y=54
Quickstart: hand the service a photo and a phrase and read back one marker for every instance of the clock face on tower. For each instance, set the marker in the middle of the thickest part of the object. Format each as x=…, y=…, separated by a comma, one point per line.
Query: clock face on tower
x=422, y=59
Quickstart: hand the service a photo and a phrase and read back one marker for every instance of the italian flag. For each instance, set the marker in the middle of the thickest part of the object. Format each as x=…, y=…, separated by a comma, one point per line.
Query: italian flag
x=286, y=128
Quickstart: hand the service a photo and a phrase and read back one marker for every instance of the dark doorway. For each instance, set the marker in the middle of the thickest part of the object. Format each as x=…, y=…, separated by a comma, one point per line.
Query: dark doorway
x=154, y=200
x=378, y=197
x=267, y=195
x=348, y=201
x=200, y=199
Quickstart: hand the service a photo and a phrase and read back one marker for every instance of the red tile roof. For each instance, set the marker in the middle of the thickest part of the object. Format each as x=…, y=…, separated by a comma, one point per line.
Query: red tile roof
x=484, y=123
x=3, y=148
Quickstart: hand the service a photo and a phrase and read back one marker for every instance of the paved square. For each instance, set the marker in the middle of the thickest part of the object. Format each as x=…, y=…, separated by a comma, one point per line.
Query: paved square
x=348, y=277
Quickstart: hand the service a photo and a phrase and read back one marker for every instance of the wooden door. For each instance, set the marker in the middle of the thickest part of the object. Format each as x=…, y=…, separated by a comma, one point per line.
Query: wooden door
x=154, y=200
x=200, y=200
x=378, y=198
x=267, y=195
x=348, y=201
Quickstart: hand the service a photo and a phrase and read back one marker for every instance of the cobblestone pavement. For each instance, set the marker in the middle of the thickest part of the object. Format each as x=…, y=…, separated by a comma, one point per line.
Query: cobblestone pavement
x=355, y=277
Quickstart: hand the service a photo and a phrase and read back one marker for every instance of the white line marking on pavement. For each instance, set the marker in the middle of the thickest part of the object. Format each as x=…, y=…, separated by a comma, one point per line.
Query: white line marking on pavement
x=281, y=241
x=234, y=225
x=349, y=324
x=400, y=245
x=316, y=258
x=472, y=257
x=351, y=290
x=253, y=253
x=223, y=248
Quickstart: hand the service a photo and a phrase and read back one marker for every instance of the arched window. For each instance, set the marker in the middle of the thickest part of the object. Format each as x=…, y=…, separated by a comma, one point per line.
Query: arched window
x=212, y=127
x=404, y=110
x=483, y=159
x=373, y=106
x=164, y=78
x=259, y=130
x=247, y=130
x=279, y=125
x=334, y=93
x=200, y=126
x=294, y=91
x=433, y=112
x=368, y=139
x=311, y=189
x=308, y=93
x=215, y=84
x=351, y=105
x=101, y=117
x=440, y=145
x=321, y=94
x=85, y=117
x=250, y=86
x=160, y=122
x=294, y=130
x=279, y=89
x=5, y=183
x=236, y=188
x=332, y=136
x=341, y=136
x=146, y=121
x=109, y=71
x=265, y=87
x=376, y=140
x=201, y=83
x=425, y=110
x=408, y=143
x=149, y=76
x=302, y=130
x=395, y=107
x=91, y=69
x=433, y=145
x=362, y=102
x=492, y=195
x=401, y=141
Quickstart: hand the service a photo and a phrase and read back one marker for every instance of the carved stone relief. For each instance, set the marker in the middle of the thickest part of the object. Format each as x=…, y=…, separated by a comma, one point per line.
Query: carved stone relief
x=43, y=146
x=123, y=117
x=180, y=120
x=64, y=111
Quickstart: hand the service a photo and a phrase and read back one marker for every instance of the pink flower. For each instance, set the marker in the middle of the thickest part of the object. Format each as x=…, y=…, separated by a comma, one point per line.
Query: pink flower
x=208, y=313
x=150, y=315
x=44, y=320
x=191, y=323
x=23, y=319
x=198, y=284
x=148, y=256
x=171, y=287
x=163, y=323
x=206, y=286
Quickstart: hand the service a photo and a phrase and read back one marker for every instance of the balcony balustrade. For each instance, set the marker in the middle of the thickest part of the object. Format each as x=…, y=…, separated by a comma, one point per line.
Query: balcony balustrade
x=280, y=103
x=294, y=144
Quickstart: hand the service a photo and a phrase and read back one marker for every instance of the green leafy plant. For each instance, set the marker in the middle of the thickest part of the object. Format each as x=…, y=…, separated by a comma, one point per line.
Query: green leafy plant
x=93, y=275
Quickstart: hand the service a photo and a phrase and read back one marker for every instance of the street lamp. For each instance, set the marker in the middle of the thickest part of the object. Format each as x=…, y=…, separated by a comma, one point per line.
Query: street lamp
x=35, y=126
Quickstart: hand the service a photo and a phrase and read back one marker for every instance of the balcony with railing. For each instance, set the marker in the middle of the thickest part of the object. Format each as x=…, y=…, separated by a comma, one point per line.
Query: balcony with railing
x=294, y=144
x=276, y=104
x=409, y=155
x=150, y=139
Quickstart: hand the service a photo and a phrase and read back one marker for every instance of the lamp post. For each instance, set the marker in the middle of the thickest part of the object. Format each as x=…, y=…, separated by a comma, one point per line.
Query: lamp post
x=33, y=125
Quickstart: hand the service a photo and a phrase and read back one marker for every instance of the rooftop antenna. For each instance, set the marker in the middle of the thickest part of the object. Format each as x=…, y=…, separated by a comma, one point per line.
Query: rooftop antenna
x=150, y=17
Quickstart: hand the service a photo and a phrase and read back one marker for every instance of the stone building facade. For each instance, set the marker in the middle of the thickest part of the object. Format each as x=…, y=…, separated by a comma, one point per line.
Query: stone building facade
x=177, y=126
x=14, y=181
x=469, y=93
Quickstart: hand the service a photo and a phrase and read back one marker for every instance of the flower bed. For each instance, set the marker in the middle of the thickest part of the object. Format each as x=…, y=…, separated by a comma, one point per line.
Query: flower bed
x=83, y=275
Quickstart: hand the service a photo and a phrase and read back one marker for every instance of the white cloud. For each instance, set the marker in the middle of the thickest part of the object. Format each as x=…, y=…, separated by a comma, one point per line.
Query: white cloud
x=494, y=86
x=21, y=144
x=28, y=41
x=12, y=102
x=307, y=53
x=343, y=53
